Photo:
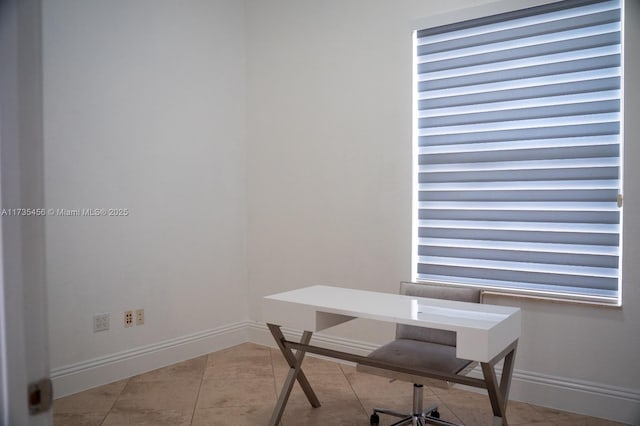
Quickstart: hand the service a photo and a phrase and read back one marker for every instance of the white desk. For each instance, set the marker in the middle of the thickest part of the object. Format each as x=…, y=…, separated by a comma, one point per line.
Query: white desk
x=484, y=333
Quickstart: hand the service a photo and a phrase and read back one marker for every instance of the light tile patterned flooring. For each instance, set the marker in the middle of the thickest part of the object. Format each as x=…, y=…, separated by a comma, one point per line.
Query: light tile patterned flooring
x=238, y=386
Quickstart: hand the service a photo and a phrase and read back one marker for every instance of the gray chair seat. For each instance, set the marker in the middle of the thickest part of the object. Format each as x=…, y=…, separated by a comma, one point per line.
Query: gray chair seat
x=419, y=355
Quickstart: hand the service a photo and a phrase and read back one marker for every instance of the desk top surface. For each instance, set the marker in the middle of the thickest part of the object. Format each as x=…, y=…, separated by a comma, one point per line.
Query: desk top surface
x=482, y=331
x=437, y=313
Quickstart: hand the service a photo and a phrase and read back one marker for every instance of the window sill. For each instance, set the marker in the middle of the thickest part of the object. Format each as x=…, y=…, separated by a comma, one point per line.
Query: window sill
x=556, y=298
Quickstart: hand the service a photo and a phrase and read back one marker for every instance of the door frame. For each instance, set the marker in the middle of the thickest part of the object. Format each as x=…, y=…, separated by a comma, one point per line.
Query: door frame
x=24, y=356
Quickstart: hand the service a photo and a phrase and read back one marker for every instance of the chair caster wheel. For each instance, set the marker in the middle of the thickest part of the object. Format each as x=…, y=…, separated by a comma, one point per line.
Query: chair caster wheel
x=435, y=413
x=374, y=419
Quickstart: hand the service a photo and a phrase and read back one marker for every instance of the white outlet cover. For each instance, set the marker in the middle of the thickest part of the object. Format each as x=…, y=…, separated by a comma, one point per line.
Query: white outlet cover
x=101, y=322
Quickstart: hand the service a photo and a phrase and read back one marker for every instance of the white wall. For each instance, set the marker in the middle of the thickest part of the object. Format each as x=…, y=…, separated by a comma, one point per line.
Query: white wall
x=329, y=87
x=144, y=109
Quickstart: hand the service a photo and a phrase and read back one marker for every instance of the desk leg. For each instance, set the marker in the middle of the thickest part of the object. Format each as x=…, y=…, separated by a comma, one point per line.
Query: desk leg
x=499, y=394
x=295, y=373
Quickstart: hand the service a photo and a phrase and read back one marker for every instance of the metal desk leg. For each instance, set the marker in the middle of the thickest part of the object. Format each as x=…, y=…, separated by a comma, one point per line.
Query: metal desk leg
x=499, y=394
x=295, y=373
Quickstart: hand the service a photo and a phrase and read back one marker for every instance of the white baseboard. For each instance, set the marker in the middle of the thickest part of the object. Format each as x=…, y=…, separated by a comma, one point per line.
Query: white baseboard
x=562, y=393
x=81, y=376
x=578, y=396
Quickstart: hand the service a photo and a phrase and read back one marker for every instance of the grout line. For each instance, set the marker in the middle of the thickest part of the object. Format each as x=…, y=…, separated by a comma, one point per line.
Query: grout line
x=273, y=373
x=195, y=404
x=114, y=402
x=364, y=410
x=448, y=407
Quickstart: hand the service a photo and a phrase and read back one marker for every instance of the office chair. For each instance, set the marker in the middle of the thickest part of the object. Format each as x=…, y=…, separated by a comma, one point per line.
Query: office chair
x=423, y=349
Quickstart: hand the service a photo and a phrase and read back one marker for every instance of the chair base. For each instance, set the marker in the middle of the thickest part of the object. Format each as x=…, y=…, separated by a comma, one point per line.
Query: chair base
x=419, y=417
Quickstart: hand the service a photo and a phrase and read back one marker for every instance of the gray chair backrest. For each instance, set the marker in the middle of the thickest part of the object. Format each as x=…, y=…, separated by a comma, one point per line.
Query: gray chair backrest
x=435, y=291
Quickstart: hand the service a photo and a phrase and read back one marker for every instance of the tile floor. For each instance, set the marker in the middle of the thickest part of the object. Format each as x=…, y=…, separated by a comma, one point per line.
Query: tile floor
x=238, y=386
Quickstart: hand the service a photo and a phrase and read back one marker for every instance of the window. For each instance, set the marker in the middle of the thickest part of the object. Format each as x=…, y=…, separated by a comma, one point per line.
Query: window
x=517, y=151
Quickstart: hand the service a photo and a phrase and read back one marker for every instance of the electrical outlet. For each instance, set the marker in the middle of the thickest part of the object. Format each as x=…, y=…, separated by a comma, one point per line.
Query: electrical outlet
x=139, y=316
x=100, y=322
x=128, y=318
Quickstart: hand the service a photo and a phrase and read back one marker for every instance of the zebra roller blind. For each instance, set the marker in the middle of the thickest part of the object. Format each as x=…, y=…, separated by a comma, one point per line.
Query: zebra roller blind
x=518, y=151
